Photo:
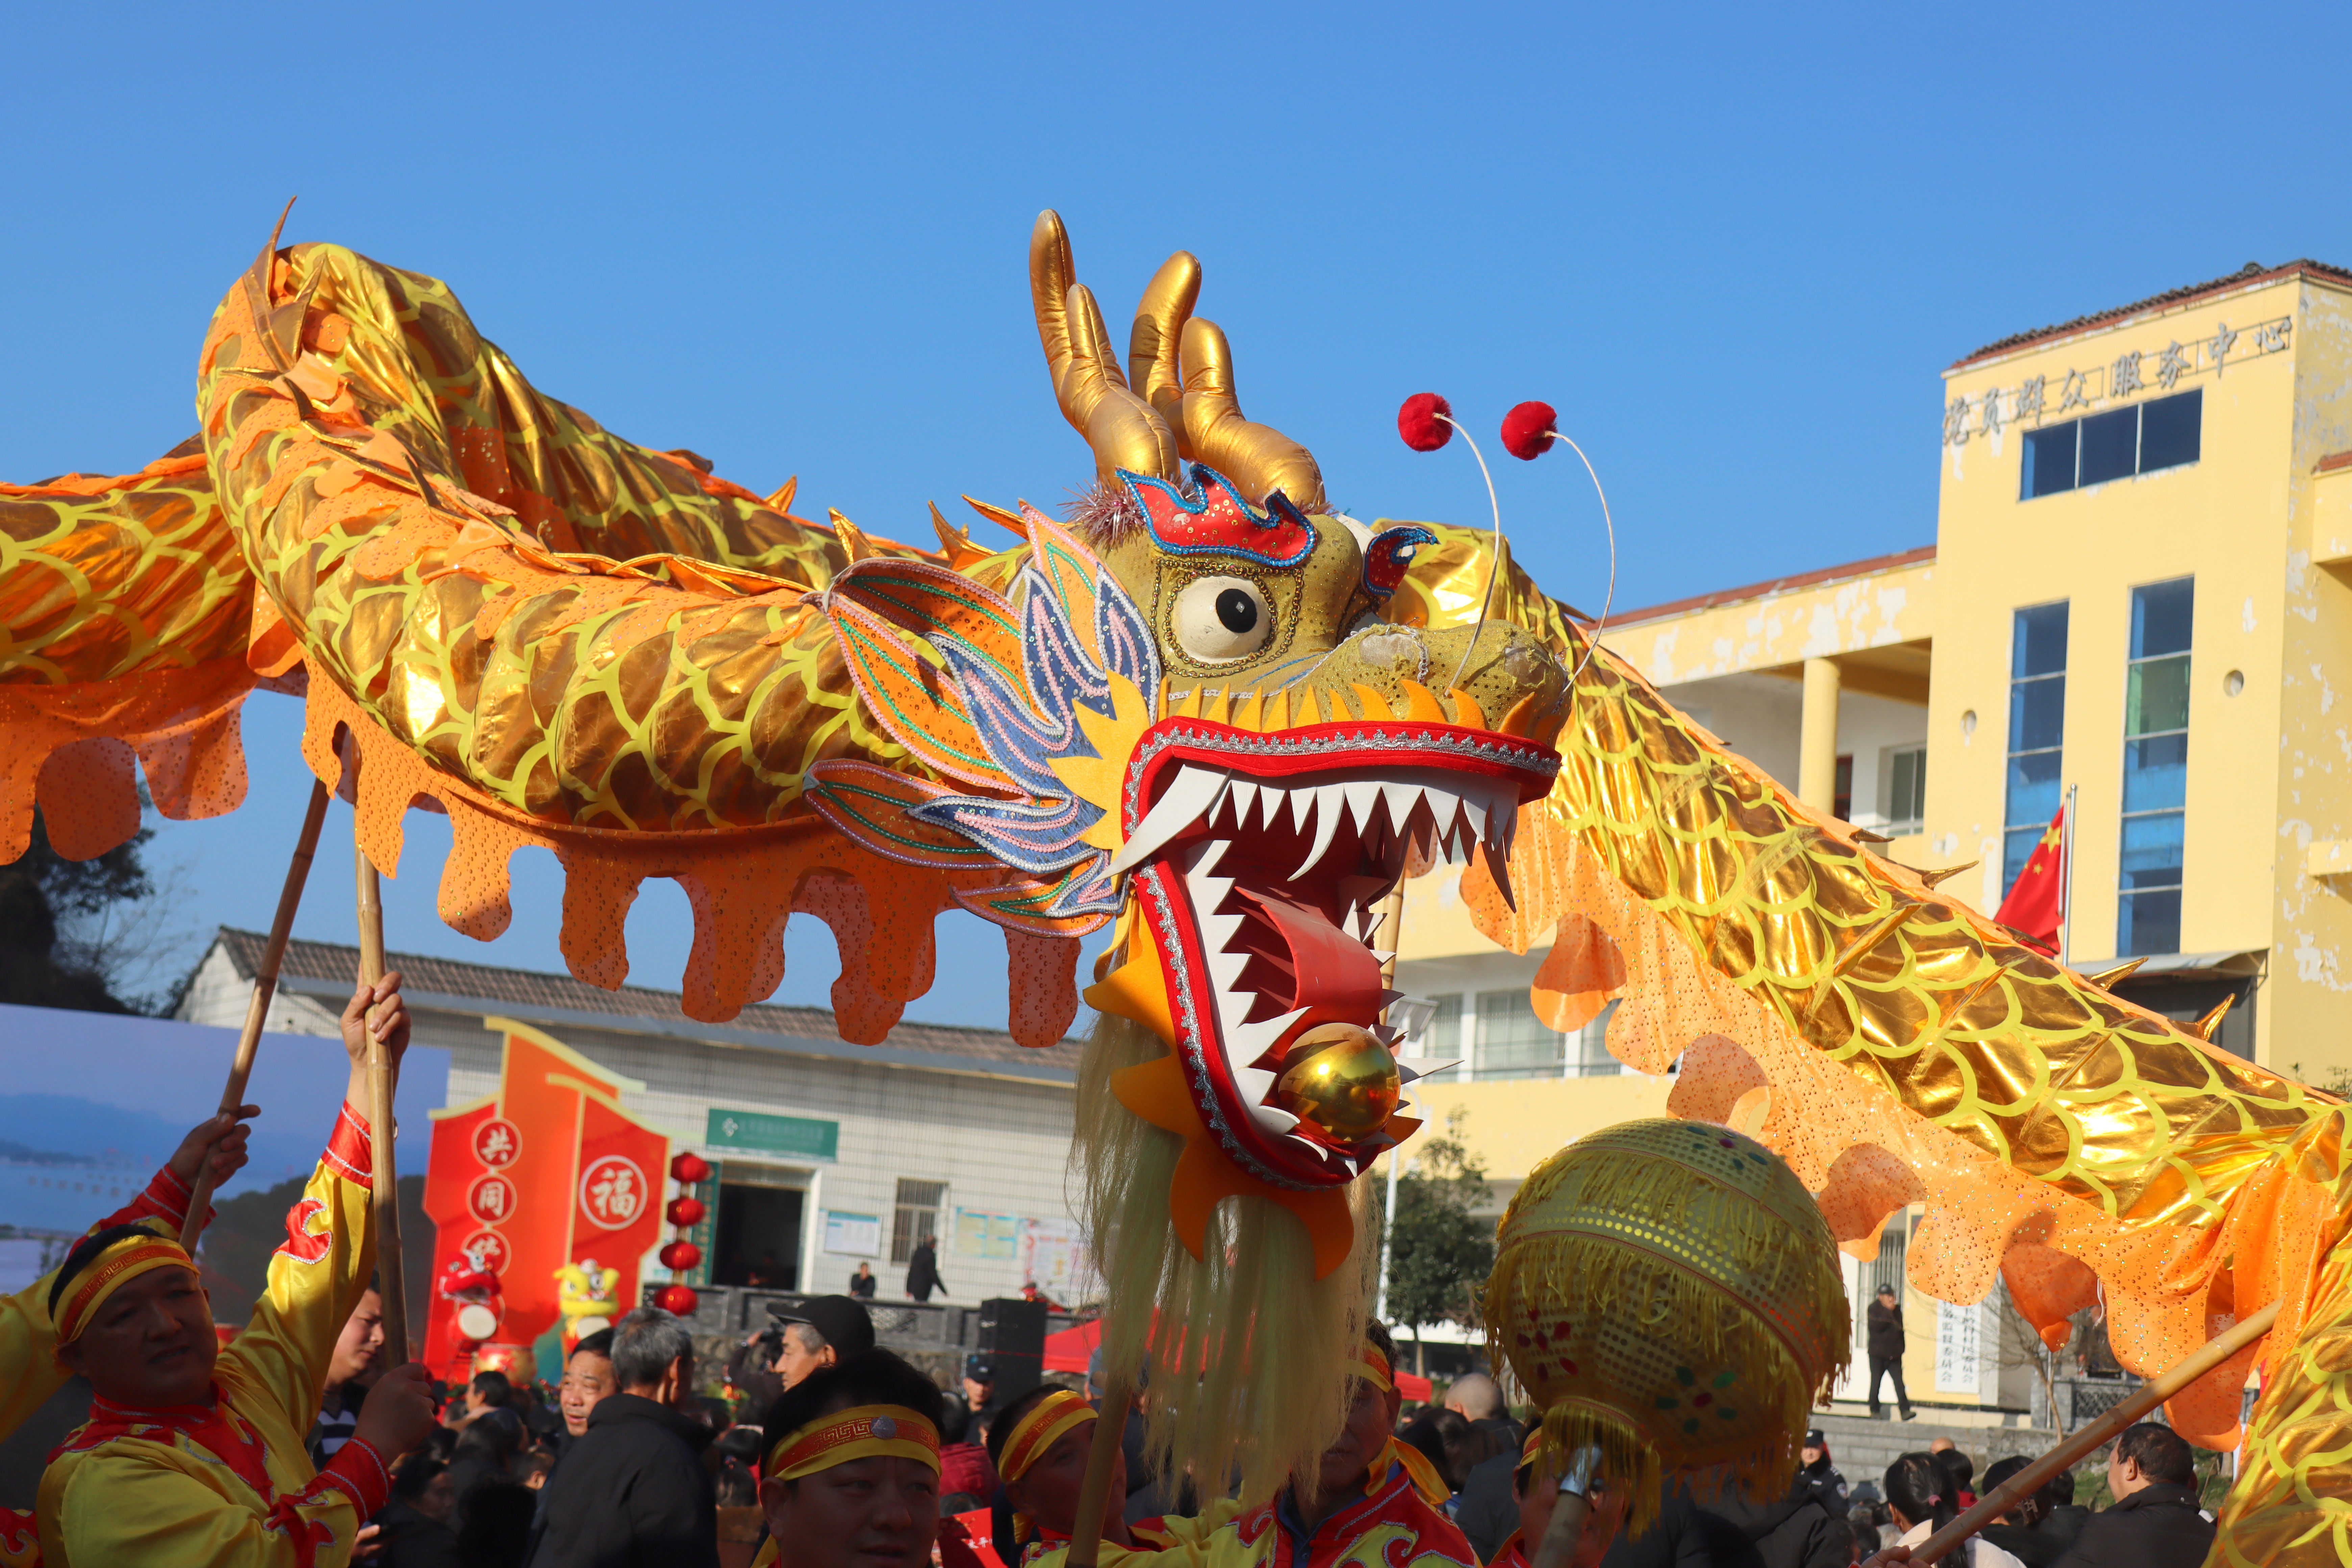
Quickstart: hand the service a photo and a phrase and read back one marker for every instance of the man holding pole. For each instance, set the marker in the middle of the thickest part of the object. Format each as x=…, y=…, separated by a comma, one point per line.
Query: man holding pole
x=196, y=1454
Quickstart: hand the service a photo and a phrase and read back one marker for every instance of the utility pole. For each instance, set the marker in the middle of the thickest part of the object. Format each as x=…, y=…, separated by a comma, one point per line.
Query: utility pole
x=2066, y=880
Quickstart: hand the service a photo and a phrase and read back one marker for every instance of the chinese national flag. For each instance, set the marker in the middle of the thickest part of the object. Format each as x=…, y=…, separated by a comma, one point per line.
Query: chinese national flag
x=2032, y=908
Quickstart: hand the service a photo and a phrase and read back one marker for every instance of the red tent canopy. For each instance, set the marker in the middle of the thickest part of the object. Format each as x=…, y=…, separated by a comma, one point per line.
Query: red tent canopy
x=1070, y=1350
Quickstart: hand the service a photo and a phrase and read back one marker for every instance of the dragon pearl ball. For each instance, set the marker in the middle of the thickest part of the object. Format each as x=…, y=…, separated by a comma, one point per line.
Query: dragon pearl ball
x=1340, y=1080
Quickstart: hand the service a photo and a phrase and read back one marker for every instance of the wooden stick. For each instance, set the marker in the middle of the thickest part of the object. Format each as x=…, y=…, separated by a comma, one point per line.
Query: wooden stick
x=392, y=1283
x=2151, y=1394
x=256, y=1010
x=1094, y=1492
x=1564, y=1533
x=1389, y=935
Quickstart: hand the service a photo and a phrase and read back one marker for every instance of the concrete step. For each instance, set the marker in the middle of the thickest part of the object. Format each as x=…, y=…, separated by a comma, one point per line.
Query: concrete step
x=1862, y=1447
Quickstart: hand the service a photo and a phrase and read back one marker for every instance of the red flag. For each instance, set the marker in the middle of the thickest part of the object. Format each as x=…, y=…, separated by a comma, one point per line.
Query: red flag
x=2034, y=905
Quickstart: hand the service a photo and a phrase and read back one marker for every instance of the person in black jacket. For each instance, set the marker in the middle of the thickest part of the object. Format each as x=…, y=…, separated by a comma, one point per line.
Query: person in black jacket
x=923, y=1270
x=1885, y=1345
x=2019, y=1531
x=634, y=1490
x=2155, y=1522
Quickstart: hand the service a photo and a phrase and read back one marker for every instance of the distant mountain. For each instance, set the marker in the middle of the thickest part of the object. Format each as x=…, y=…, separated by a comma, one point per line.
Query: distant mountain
x=12, y=1149
x=57, y=1129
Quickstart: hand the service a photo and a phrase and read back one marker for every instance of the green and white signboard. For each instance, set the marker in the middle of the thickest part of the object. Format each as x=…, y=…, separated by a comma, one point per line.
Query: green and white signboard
x=757, y=1131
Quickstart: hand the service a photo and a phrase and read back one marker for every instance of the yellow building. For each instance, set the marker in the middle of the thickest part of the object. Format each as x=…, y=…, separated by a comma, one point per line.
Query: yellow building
x=2140, y=594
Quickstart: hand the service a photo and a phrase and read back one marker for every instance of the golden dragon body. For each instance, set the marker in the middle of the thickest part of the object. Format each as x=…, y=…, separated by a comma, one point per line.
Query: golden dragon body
x=495, y=608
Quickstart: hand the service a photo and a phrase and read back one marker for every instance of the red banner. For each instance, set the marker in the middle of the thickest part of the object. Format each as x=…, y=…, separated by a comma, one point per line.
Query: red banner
x=547, y=1195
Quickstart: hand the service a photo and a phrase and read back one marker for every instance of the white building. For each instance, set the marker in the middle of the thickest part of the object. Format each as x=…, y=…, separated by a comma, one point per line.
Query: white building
x=827, y=1153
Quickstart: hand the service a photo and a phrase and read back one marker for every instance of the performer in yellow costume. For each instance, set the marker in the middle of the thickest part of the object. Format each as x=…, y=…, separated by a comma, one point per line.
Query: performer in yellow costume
x=1536, y=1487
x=29, y=1372
x=852, y=1476
x=1373, y=1503
x=194, y=1454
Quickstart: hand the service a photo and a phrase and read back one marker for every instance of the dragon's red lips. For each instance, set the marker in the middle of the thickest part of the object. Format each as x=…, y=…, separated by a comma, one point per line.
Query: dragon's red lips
x=1261, y=861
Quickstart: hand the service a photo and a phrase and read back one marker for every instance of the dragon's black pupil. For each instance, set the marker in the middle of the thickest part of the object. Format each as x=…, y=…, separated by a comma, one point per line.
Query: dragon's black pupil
x=1237, y=611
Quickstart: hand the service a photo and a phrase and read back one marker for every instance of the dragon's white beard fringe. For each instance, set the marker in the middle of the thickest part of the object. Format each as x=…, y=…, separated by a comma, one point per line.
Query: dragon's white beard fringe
x=1249, y=1375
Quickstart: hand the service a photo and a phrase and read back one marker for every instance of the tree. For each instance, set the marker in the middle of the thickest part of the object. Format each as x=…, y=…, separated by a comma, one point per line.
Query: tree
x=1438, y=1254
x=87, y=934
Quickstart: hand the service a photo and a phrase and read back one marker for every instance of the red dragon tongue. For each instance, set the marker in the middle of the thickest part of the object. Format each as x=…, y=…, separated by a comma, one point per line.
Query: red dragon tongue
x=1302, y=959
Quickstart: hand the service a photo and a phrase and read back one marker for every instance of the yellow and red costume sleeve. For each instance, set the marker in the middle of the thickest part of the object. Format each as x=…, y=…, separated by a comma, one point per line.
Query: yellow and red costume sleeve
x=228, y=1485
x=29, y=1372
x=1394, y=1526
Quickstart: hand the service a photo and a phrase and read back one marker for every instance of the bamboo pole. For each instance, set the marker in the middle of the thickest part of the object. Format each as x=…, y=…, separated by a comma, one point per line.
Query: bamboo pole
x=256, y=1010
x=2105, y=1429
x=1094, y=1492
x=1564, y=1533
x=391, y=1281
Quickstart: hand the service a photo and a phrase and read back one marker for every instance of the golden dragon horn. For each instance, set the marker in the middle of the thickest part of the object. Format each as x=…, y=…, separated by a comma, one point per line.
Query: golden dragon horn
x=1184, y=365
x=1120, y=427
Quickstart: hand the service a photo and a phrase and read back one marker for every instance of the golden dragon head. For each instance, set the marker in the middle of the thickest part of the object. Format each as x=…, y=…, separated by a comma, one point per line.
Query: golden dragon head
x=1190, y=710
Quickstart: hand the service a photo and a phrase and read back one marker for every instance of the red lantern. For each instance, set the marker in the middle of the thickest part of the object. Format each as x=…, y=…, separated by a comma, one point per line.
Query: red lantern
x=690, y=1169
x=684, y=1211
x=679, y=1299
x=680, y=1256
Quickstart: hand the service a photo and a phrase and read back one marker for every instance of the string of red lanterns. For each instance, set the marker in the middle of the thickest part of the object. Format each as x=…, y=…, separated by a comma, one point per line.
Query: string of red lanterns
x=681, y=1255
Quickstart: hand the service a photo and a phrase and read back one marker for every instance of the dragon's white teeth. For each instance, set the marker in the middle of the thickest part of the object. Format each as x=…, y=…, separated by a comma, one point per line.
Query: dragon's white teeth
x=1381, y=956
x=1414, y=1069
x=1498, y=866
x=1276, y=803
x=1252, y=1082
x=1364, y=797
x=1247, y=1042
x=1328, y=810
x=1243, y=796
x=1218, y=929
x=1227, y=969
x=1402, y=798
x=1193, y=796
x=1278, y=1122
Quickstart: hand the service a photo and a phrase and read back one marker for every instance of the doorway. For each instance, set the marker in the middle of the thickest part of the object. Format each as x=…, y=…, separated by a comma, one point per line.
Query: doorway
x=761, y=1212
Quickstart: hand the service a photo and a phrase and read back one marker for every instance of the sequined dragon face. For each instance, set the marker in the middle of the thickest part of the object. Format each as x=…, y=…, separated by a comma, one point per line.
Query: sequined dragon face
x=1188, y=712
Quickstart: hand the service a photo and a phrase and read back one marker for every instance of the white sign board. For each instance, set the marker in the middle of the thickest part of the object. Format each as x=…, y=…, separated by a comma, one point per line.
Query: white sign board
x=852, y=1235
x=1055, y=1260
x=1956, y=1348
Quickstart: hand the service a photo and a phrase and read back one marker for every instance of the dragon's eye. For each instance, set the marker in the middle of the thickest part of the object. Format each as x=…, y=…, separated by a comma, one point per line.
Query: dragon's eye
x=1219, y=620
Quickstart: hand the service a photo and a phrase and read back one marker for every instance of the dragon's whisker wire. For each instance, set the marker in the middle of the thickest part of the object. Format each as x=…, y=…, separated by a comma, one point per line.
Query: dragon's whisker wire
x=1494, y=567
x=1611, y=523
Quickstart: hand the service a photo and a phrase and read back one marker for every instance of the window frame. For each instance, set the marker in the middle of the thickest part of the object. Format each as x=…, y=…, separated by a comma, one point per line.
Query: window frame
x=2011, y=831
x=2035, y=439
x=2127, y=896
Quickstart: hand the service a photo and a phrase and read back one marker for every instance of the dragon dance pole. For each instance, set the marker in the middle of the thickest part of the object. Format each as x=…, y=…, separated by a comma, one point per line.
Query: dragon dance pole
x=1094, y=1491
x=265, y=987
x=390, y=1278
x=2151, y=1394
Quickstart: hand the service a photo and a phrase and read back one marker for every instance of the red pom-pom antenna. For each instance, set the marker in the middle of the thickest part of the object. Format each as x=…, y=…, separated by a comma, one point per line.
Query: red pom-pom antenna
x=679, y=1299
x=1527, y=430
x=1424, y=422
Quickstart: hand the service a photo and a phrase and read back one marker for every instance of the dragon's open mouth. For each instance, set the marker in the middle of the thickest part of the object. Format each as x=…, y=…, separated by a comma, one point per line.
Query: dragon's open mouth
x=1262, y=862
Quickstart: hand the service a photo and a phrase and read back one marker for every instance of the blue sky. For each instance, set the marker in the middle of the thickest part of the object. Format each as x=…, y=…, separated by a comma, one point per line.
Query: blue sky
x=1733, y=244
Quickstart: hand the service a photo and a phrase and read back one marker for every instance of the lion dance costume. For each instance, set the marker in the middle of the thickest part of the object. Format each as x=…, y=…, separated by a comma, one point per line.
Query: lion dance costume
x=1203, y=711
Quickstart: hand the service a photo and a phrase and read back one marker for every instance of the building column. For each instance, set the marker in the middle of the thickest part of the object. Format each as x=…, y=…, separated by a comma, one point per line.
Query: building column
x=1816, y=737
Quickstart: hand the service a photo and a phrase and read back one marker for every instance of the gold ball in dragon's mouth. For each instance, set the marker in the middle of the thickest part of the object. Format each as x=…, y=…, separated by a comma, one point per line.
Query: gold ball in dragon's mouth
x=1339, y=1079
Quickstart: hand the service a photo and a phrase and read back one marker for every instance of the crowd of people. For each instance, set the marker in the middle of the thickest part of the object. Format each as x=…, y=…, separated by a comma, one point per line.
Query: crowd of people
x=297, y=1443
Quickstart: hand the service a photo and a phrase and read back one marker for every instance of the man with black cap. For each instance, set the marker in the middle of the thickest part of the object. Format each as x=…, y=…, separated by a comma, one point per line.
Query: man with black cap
x=818, y=1332
x=960, y=1413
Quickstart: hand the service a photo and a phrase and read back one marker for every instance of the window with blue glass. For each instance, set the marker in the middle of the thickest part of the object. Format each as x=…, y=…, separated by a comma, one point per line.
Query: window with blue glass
x=2162, y=433
x=2155, y=769
x=2037, y=731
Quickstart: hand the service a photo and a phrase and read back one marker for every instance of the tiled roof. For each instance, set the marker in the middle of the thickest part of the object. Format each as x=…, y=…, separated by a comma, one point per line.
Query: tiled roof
x=1776, y=585
x=437, y=982
x=2251, y=273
